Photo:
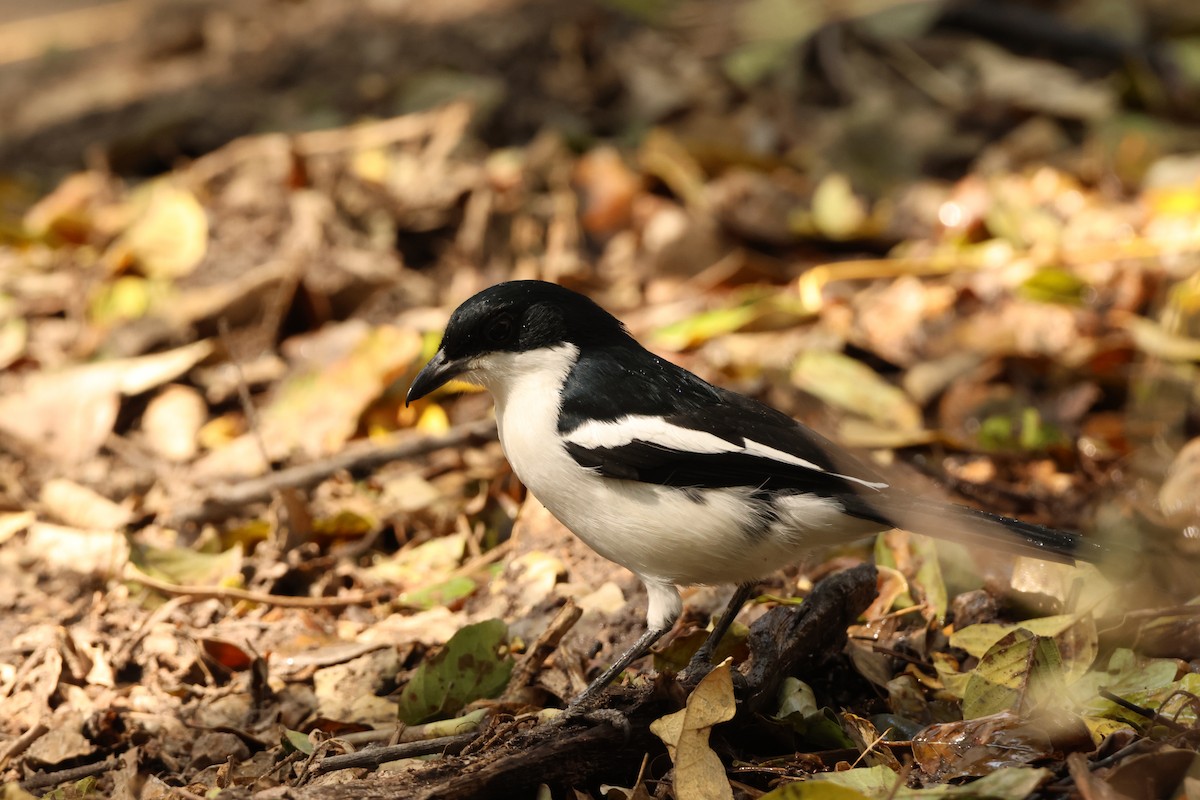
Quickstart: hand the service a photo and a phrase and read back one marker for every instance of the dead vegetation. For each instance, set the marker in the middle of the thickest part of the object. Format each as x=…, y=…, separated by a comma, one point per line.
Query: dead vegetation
x=234, y=561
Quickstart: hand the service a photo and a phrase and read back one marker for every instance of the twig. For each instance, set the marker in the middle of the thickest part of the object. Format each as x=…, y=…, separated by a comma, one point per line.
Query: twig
x=243, y=391
x=1149, y=613
x=194, y=593
x=1142, y=711
x=372, y=757
x=44, y=780
x=523, y=674
x=224, y=499
x=19, y=744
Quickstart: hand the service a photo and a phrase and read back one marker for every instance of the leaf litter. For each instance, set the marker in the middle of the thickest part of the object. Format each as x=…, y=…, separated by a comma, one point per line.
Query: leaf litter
x=977, y=264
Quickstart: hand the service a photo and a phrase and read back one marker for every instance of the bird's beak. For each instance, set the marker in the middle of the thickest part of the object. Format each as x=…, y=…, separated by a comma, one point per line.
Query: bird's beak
x=437, y=372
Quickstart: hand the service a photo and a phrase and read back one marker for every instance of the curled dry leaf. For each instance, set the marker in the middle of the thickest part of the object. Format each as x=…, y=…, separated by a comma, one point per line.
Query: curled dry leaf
x=699, y=773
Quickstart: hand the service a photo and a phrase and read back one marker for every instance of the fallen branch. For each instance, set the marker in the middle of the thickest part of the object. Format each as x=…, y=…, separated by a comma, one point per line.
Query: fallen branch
x=44, y=780
x=791, y=639
x=196, y=593
x=372, y=757
x=225, y=499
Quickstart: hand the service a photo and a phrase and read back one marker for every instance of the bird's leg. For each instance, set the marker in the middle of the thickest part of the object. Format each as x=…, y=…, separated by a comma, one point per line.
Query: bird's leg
x=701, y=662
x=662, y=610
x=588, y=696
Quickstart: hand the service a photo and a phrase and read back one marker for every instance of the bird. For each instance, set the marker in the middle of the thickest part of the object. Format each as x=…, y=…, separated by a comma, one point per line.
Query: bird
x=679, y=481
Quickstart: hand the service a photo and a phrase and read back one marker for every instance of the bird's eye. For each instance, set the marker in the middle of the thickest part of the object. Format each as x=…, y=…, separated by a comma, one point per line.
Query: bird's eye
x=500, y=329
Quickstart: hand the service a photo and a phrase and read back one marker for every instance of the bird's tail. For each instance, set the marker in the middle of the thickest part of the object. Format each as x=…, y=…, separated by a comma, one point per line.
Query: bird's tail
x=974, y=528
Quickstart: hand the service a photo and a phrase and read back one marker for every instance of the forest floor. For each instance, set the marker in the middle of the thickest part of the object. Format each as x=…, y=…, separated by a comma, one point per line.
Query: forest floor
x=965, y=244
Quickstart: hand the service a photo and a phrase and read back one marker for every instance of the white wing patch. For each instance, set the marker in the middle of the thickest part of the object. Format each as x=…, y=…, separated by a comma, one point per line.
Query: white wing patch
x=642, y=428
x=758, y=449
x=656, y=430
x=778, y=455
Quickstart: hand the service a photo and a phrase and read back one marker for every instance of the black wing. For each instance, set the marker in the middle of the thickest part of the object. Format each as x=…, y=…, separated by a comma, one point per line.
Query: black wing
x=666, y=426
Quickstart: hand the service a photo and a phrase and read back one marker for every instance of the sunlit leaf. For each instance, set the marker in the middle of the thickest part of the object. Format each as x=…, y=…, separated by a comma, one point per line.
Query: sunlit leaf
x=837, y=212
x=187, y=567
x=169, y=234
x=426, y=562
x=697, y=329
x=1075, y=636
x=852, y=386
x=317, y=409
x=1020, y=671
x=1153, y=339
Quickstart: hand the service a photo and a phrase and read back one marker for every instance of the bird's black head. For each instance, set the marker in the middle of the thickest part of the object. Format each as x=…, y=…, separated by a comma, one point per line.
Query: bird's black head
x=515, y=317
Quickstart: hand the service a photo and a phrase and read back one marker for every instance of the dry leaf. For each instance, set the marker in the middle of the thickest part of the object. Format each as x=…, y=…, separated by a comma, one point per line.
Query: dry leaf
x=173, y=420
x=699, y=773
x=69, y=414
x=80, y=506
x=169, y=234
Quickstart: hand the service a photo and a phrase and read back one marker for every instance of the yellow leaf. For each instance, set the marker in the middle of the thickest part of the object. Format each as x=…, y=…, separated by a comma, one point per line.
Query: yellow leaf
x=836, y=211
x=433, y=421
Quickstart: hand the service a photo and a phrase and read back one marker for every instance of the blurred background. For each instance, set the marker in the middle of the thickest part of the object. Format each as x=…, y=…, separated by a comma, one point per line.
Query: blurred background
x=961, y=237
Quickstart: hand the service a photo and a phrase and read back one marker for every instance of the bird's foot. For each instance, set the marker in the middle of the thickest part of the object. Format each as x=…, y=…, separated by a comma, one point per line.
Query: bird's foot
x=582, y=709
x=698, y=667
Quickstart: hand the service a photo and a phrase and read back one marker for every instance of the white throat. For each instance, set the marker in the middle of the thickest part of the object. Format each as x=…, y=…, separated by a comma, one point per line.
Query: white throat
x=528, y=382
x=527, y=388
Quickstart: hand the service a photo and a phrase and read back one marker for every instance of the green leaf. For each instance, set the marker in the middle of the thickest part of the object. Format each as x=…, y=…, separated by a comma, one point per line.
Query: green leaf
x=472, y=665
x=1054, y=285
x=699, y=328
x=814, y=790
x=1075, y=637
x=439, y=594
x=1021, y=671
x=878, y=781
x=183, y=566
x=1007, y=783
x=295, y=741
x=881, y=783
x=818, y=726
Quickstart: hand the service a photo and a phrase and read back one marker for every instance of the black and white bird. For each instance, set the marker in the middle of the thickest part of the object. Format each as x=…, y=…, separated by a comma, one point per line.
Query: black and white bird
x=679, y=481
